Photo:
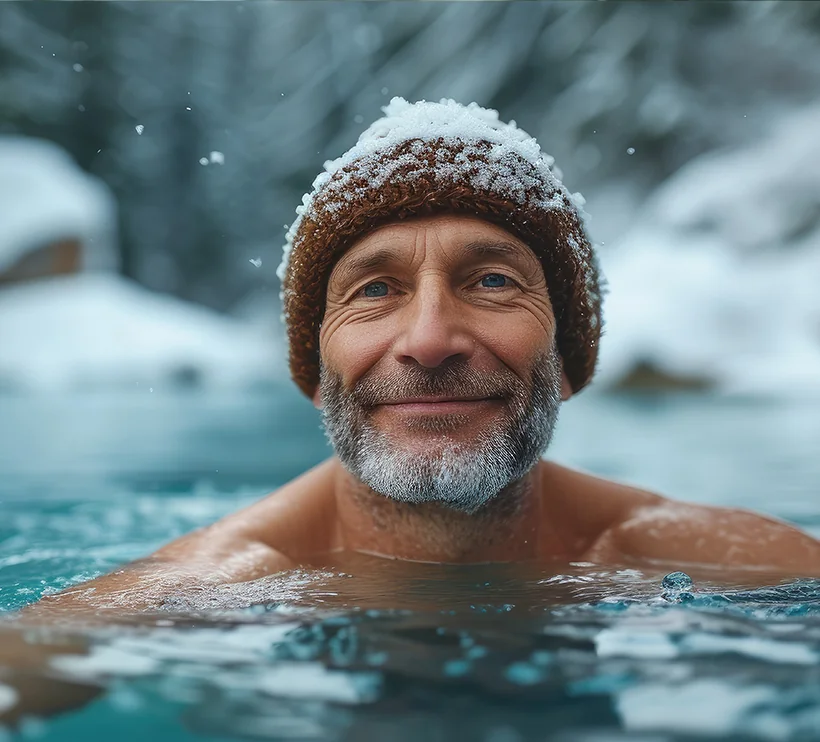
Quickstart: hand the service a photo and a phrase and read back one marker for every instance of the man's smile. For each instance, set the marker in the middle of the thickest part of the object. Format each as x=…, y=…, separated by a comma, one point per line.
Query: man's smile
x=439, y=405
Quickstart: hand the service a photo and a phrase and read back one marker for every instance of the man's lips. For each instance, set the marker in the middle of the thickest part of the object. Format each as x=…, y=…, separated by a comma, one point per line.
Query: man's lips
x=438, y=405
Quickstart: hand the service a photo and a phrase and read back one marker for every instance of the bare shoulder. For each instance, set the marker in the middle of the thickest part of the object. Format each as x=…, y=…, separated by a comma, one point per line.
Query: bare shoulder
x=294, y=520
x=685, y=533
x=588, y=506
x=612, y=522
x=270, y=536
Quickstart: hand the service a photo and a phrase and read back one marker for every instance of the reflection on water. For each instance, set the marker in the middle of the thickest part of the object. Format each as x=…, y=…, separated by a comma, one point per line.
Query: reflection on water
x=354, y=647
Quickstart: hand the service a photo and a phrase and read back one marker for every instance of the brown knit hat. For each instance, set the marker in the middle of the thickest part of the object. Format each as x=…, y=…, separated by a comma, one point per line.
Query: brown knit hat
x=431, y=158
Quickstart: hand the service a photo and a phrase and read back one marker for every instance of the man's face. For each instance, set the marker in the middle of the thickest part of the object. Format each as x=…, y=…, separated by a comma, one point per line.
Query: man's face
x=440, y=380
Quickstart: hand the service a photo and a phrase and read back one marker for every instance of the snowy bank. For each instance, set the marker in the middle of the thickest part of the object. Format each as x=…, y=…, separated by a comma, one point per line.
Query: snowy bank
x=92, y=330
x=84, y=326
x=716, y=284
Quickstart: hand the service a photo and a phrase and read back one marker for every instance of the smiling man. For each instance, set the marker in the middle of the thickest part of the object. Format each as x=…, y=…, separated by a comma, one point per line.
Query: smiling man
x=442, y=299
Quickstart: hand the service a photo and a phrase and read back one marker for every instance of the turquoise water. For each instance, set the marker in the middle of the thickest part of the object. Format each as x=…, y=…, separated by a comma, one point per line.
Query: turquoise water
x=368, y=649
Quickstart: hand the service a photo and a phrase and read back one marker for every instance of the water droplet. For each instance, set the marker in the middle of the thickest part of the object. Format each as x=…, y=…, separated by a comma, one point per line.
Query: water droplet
x=476, y=652
x=456, y=668
x=217, y=158
x=523, y=673
x=630, y=151
x=81, y=108
x=677, y=587
x=384, y=91
x=139, y=128
x=187, y=108
x=358, y=118
x=77, y=67
x=203, y=160
x=150, y=389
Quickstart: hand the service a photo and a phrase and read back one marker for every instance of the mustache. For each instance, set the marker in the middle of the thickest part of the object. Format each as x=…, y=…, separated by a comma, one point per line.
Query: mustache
x=457, y=380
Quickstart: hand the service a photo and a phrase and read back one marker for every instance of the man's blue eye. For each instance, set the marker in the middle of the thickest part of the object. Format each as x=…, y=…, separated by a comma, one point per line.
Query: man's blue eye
x=494, y=281
x=375, y=289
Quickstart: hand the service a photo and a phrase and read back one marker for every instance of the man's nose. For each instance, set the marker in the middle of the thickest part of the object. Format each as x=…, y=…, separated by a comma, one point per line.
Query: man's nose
x=433, y=330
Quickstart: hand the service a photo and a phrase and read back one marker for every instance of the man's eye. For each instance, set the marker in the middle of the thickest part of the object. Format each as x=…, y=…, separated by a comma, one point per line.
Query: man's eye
x=376, y=289
x=494, y=281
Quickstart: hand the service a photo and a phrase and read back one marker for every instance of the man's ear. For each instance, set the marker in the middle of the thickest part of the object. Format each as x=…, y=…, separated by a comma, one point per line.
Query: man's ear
x=566, y=387
x=317, y=399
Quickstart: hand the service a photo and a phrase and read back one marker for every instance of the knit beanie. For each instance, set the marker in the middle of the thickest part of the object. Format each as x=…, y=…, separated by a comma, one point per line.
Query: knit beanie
x=423, y=159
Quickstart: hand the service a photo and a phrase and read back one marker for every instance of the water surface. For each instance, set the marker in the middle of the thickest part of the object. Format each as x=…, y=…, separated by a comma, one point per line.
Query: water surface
x=360, y=648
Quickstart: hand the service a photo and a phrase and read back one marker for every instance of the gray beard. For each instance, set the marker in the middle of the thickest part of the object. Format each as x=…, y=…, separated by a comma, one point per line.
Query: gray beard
x=464, y=476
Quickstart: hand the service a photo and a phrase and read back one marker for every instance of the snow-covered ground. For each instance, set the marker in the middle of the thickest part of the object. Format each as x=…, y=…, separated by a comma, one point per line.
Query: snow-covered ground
x=95, y=328
x=100, y=330
x=718, y=278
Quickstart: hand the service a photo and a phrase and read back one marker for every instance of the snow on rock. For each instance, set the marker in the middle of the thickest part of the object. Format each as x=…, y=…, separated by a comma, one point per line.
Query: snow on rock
x=45, y=197
x=718, y=278
x=92, y=330
x=96, y=328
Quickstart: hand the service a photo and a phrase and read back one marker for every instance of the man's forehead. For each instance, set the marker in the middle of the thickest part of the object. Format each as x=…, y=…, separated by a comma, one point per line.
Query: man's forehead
x=453, y=238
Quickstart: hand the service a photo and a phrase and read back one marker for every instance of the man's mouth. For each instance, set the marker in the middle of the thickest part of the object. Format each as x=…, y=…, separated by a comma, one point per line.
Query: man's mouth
x=439, y=405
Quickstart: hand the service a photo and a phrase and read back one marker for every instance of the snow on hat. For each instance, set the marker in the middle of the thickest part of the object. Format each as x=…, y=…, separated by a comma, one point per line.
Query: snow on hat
x=46, y=197
x=429, y=158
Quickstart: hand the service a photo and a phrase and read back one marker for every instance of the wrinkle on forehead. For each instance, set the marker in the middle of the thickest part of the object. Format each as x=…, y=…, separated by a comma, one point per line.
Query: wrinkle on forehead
x=381, y=249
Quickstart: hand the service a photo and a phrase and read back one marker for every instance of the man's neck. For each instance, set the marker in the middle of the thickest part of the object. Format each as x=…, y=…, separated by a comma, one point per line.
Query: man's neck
x=508, y=528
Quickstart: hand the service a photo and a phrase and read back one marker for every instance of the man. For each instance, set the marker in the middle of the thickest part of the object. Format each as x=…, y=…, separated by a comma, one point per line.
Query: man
x=442, y=299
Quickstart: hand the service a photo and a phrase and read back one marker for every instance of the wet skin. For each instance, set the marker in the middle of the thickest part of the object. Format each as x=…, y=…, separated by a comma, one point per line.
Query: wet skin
x=430, y=292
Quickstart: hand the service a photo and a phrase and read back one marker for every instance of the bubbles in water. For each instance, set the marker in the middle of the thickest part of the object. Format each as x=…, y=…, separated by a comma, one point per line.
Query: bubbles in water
x=139, y=128
x=217, y=158
x=77, y=67
x=203, y=161
x=256, y=261
x=630, y=151
x=677, y=587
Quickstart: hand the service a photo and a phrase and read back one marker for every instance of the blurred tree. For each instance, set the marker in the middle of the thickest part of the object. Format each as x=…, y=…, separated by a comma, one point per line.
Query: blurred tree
x=143, y=94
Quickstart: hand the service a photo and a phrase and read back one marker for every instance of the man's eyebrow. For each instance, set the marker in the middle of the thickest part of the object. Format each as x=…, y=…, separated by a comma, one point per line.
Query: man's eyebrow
x=358, y=264
x=499, y=248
